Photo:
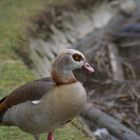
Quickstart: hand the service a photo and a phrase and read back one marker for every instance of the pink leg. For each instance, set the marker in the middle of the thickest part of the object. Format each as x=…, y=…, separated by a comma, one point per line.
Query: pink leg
x=50, y=136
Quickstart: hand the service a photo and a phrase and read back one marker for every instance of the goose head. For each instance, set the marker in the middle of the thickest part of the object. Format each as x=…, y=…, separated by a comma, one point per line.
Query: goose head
x=67, y=61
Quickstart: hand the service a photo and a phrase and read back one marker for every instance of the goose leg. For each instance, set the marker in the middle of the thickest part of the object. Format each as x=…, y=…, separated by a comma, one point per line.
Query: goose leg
x=36, y=137
x=50, y=136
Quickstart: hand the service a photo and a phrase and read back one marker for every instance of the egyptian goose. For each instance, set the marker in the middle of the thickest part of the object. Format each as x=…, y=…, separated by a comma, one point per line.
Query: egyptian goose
x=46, y=104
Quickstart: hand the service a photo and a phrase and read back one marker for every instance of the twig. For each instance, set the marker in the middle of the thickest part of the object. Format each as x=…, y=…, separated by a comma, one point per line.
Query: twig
x=115, y=63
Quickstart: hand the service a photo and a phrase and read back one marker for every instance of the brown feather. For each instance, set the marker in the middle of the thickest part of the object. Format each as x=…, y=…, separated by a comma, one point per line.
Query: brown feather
x=31, y=91
x=60, y=81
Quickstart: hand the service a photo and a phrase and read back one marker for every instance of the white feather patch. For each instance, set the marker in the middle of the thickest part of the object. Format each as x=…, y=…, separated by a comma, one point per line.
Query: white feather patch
x=35, y=102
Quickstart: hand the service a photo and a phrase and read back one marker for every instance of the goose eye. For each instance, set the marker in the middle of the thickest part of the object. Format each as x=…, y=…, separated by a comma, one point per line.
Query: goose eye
x=77, y=57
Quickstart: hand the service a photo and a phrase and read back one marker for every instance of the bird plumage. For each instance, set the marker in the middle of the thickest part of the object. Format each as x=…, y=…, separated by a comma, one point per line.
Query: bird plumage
x=46, y=104
x=28, y=92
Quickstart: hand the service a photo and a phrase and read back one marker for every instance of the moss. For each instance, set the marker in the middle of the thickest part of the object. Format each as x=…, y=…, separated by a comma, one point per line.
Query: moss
x=13, y=73
x=14, y=17
x=67, y=133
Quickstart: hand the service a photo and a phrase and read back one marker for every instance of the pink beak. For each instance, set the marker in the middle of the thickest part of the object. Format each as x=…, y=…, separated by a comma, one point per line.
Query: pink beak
x=87, y=67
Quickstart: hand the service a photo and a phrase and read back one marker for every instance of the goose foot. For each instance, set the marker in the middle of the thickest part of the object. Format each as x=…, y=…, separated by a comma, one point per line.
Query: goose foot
x=50, y=136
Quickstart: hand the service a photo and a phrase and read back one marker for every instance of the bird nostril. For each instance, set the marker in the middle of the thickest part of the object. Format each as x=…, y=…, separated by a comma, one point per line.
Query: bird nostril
x=87, y=65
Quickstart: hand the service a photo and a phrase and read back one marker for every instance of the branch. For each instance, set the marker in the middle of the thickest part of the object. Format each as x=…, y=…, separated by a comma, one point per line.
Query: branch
x=103, y=120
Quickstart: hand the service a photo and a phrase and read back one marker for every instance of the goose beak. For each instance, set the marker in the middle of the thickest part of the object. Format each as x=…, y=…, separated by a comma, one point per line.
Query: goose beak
x=87, y=67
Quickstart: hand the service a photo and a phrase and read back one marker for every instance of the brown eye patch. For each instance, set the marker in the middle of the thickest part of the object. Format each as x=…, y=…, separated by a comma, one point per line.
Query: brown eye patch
x=77, y=57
